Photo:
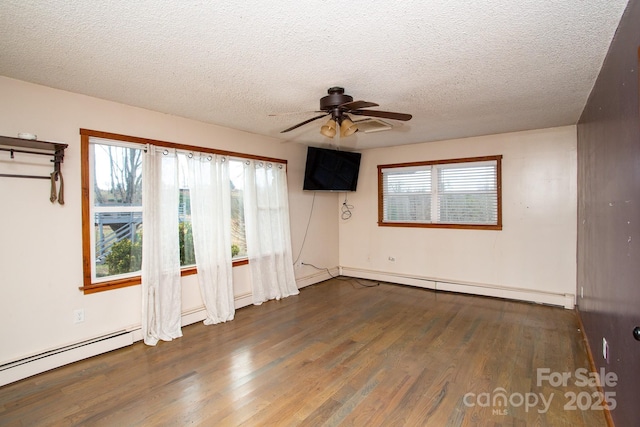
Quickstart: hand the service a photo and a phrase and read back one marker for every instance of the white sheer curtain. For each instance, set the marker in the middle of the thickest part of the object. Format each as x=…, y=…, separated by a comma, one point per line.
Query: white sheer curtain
x=161, y=292
x=209, y=188
x=266, y=217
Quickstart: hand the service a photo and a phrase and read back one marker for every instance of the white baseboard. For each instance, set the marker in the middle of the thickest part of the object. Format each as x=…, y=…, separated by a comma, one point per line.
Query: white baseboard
x=519, y=294
x=317, y=277
x=51, y=359
x=20, y=369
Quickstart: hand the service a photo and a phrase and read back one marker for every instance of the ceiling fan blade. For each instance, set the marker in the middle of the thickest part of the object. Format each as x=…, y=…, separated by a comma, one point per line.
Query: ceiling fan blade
x=356, y=105
x=305, y=122
x=382, y=114
x=291, y=113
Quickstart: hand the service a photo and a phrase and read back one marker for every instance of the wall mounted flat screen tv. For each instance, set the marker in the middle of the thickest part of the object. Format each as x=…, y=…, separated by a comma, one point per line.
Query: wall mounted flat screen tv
x=331, y=170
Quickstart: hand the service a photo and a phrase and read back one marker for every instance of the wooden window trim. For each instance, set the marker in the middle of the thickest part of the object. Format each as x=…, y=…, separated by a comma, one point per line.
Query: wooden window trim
x=118, y=137
x=497, y=226
x=89, y=287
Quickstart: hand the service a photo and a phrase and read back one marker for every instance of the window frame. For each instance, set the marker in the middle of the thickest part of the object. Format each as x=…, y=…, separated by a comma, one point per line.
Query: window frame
x=497, y=226
x=89, y=286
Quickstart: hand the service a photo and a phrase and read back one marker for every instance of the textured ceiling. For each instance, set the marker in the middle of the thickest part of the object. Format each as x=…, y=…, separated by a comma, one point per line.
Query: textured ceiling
x=461, y=67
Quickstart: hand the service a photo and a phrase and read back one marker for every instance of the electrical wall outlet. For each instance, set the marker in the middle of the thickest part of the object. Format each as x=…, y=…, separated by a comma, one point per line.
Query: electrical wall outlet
x=392, y=259
x=78, y=315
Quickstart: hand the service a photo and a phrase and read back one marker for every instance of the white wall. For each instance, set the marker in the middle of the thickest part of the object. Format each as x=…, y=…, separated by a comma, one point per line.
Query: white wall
x=40, y=242
x=532, y=258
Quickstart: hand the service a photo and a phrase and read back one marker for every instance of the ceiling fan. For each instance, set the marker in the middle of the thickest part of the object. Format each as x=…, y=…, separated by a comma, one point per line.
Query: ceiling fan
x=338, y=106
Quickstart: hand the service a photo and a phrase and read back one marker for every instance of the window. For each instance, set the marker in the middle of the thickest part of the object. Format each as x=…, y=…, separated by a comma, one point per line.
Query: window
x=238, y=240
x=460, y=193
x=116, y=208
x=112, y=177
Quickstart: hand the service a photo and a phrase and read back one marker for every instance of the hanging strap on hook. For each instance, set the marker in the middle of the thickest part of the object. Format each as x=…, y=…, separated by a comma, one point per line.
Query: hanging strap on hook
x=60, y=194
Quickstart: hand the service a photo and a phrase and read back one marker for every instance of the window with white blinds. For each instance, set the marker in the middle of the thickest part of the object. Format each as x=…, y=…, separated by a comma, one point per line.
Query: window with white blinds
x=407, y=194
x=461, y=193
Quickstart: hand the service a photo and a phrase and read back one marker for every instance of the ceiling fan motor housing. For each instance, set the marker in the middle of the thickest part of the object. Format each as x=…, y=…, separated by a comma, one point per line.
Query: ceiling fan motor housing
x=335, y=98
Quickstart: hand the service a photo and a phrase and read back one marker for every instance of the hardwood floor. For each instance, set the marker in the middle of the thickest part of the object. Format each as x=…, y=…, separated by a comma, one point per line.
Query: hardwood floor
x=337, y=354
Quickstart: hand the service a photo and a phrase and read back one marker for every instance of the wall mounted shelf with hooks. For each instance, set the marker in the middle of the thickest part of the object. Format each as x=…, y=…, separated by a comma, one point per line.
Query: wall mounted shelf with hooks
x=43, y=148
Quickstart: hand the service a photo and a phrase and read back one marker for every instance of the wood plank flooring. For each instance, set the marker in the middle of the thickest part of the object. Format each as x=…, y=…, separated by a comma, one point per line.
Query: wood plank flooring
x=337, y=354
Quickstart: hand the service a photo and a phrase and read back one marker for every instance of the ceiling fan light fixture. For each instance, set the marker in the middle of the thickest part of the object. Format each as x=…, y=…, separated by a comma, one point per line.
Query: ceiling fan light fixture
x=329, y=128
x=347, y=127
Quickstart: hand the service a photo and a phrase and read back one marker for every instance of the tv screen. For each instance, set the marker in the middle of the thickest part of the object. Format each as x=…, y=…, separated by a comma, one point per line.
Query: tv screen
x=331, y=170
